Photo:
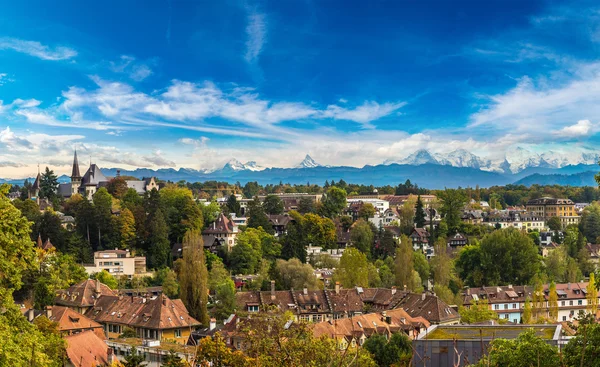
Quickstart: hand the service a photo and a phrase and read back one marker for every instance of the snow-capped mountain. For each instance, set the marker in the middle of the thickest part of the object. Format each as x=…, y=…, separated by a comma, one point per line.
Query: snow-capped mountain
x=514, y=161
x=234, y=166
x=308, y=162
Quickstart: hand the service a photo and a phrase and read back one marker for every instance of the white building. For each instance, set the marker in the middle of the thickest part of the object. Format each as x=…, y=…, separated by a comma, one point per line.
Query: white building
x=380, y=205
x=117, y=262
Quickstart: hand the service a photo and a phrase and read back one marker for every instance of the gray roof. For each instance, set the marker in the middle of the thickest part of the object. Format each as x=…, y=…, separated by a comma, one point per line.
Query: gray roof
x=93, y=176
x=64, y=190
x=139, y=186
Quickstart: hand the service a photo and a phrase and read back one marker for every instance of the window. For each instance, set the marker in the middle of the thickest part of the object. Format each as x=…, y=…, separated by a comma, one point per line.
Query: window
x=564, y=318
x=506, y=306
x=579, y=302
x=570, y=303
x=178, y=333
x=253, y=308
x=514, y=305
x=562, y=303
x=496, y=307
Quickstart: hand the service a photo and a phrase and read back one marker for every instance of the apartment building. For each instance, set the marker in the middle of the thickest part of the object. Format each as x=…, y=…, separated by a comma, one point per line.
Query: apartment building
x=117, y=262
x=547, y=208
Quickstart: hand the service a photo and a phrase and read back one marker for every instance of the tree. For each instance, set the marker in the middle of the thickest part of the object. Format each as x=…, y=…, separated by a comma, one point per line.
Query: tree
x=193, y=277
x=419, y=213
x=273, y=205
x=106, y=278
x=262, y=242
x=233, y=205
x=554, y=224
x=395, y=352
x=527, y=312
x=215, y=352
x=251, y=189
x=538, y=300
x=584, y=348
x=478, y=312
x=173, y=360
x=126, y=223
x=104, y=219
x=405, y=264
x=181, y=212
x=318, y=231
x=421, y=265
x=592, y=295
x=526, y=350
x=333, y=202
x=56, y=271
x=244, y=259
x=406, y=214
x=48, y=184
x=306, y=205
x=210, y=213
x=223, y=288
x=453, y=202
x=553, y=302
x=117, y=187
x=362, y=236
x=441, y=264
x=366, y=211
x=158, y=240
x=590, y=222
x=292, y=274
x=386, y=245
x=167, y=278
x=257, y=217
x=134, y=359
x=353, y=270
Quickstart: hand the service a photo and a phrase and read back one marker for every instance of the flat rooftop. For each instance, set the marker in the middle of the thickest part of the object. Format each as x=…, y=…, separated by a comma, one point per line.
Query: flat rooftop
x=487, y=332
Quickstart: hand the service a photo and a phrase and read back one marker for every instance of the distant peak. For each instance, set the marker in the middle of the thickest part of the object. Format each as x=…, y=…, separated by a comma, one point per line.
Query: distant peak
x=308, y=162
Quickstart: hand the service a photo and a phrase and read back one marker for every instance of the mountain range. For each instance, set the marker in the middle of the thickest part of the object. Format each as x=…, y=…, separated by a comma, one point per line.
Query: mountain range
x=430, y=170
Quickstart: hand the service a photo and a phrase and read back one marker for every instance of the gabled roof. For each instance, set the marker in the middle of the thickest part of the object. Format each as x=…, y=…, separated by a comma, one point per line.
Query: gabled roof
x=86, y=349
x=48, y=245
x=420, y=232
x=429, y=307
x=221, y=225
x=75, y=171
x=93, y=176
x=152, y=313
x=279, y=219
x=69, y=320
x=83, y=294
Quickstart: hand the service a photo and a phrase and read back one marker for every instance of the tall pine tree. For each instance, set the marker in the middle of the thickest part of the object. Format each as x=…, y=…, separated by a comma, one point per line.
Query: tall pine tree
x=158, y=240
x=419, y=213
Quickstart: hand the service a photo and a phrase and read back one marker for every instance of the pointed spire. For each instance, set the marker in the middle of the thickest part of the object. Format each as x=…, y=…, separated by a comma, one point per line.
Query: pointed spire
x=75, y=175
x=39, y=241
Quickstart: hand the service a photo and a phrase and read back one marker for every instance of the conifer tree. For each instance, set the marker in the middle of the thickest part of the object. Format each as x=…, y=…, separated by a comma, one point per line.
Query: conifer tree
x=419, y=213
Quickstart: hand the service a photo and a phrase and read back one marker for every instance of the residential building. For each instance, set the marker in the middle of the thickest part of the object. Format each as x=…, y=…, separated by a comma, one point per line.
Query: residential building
x=546, y=238
x=117, y=262
x=221, y=232
x=420, y=242
x=153, y=351
x=70, y=322
x=462, y=345
x=547, y=208
x=457, y=240
x=155, y=318
x=355, y=331
x=82, y=296
x=472, y=217
x=529, y=221
x=509, y=301
x=280, y=223
x=380, y=205
x=325, y=305
x=399, y=200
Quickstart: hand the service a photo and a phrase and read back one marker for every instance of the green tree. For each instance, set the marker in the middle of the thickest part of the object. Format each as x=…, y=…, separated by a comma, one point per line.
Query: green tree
x=386, y=246
x=362, y=236
x=134, y=359
x=56, y=271
x=553, y=302
x=538, y=300
x=453, y=202
x=233, y=205
x=526, y=350
x=419, y=213
x=173, y=360
x=584, y=348
x=264, y=243
x=126, y=223
x=244, y=259
x=251, y=189
x=477, y=312
x=158, y=241
x=590, y=222
x=366, y=211
x=167, y=278
x=257, y=217
x=106, y=278
x=421, y=265
x=527, y=312
x=405, y=264
x=353, y=270
x=292, y=274
x=318, y=231
x=193, y=277
x=48, y=184
x=210, y=213
x=395, y=352
x=273, y=204
x=333, y=202
x=306, y=205
x=554, y=224
x=181, y=213
x=441, y=264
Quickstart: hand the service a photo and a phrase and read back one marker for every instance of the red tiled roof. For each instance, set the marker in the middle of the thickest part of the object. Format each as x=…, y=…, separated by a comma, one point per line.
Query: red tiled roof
x=86, y=349
x=83, y=294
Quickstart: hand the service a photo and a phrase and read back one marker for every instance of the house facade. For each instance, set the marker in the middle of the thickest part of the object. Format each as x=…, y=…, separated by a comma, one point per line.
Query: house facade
x=221, y=233
x=548, y=207
x=117, y=262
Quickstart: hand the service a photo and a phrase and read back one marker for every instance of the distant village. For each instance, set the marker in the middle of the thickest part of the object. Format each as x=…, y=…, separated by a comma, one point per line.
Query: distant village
x=440, y=268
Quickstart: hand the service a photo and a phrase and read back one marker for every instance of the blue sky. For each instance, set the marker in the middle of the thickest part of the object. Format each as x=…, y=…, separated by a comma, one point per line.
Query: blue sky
x=194, y=84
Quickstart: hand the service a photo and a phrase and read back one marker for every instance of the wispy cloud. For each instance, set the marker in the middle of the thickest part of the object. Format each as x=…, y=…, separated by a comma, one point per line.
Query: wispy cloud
x=36, y=49
x=135, y=69
x=256, y=33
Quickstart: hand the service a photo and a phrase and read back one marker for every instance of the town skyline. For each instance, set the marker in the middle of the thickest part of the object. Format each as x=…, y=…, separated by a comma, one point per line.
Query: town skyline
x=176, y=89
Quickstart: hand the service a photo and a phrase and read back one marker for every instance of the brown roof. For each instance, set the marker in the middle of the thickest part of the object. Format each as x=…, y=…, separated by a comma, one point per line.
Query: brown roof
x=279, y=219
x=69, y=320
x=221, y=225
x=506, y=294
x=86, y=349
x=152, y=313
x=83, y=294
x=368, y=324
x=429, y=307
x=48, y=245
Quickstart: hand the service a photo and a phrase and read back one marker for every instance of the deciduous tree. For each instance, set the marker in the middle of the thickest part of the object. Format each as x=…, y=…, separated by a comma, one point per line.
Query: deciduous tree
x=193, y=277
x=353, y=270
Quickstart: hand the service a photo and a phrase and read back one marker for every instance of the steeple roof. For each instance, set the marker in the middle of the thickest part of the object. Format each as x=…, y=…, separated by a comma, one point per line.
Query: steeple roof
x=75, y=173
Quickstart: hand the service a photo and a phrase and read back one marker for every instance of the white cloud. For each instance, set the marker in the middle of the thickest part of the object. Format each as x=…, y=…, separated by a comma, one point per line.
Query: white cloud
x=581, y=128
x=36, y=49
x=136, y=70
x=4, y=79
x=196, y=143
x=364, y=114
x=256, y=33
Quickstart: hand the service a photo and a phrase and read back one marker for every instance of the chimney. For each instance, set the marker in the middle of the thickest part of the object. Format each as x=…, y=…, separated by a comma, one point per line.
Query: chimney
x=468, y=291
x=48, y=311
x=164, y=301
x=405, y=287
x=213, y=324
x=394, y=290
x=423, y=295
x=384, y=313
x=110, y=355
x=337, y=287
x=30, y=315
x=305, y=291
x=97, y=286
x=272, y=290
x=510, y=286
x=569, y=286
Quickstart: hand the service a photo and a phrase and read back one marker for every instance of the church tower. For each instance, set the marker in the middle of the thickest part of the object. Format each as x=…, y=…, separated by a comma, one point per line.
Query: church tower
x=75, y=176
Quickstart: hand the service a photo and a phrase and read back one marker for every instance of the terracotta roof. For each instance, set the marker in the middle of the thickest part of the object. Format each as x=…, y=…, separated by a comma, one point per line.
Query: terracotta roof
x=221, y=225
x=48, y=245
x=86, y=349
x=373, y=323
x=429, y=307
x=152, y=313
x=69, y=320
x=83, y=294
